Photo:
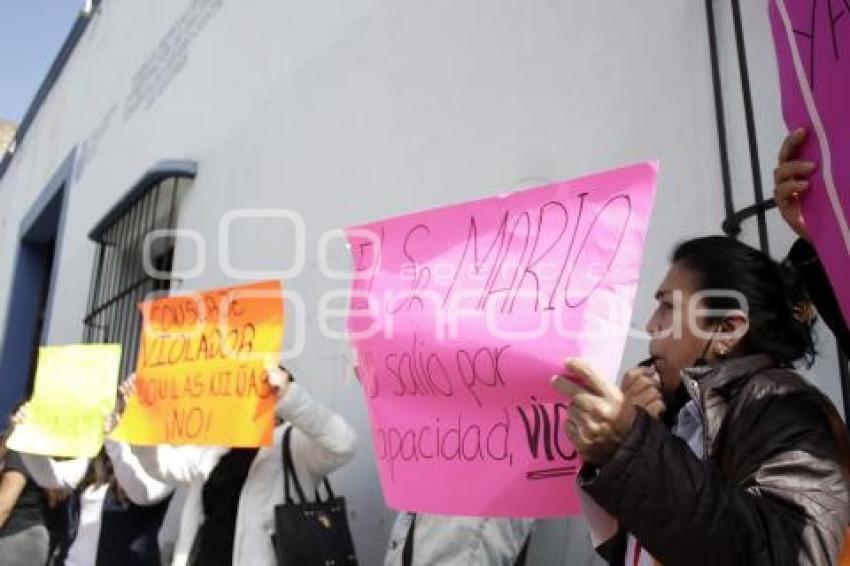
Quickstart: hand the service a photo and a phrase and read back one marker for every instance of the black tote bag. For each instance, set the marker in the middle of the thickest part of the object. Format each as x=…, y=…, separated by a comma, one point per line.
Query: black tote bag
x=310, y=533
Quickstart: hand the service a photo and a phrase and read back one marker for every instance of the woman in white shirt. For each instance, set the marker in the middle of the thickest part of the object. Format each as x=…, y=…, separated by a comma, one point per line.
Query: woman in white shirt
x=120, y=507
x=250, y=482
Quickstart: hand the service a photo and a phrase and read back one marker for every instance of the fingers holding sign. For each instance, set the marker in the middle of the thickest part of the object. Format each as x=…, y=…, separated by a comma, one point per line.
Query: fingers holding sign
x=126, y=390
x=279, y=378
x=20, y=416
x=792, y=179
x=600, y=415
x=642, y=387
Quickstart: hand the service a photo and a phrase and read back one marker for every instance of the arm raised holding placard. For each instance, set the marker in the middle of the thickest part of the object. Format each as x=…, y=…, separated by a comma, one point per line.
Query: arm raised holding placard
x=171, y=464
x=136, y=483
x=55, y=474
x=322, y=441
x=140, y=488
x=793, y=179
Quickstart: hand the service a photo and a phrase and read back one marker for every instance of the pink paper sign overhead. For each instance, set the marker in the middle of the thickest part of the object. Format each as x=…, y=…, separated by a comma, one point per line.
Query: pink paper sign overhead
x=461, y=315
x=812, y=40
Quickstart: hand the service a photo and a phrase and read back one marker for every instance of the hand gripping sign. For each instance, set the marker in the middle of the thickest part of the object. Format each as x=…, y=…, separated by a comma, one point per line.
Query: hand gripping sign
x=812, y=40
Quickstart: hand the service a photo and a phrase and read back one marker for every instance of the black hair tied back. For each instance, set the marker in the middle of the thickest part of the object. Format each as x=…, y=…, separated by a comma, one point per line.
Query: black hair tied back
x=780, y=314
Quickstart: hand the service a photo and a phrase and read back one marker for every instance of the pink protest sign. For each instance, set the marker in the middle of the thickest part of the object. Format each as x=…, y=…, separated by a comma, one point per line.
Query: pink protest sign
x=461, y=315
x=813, y=48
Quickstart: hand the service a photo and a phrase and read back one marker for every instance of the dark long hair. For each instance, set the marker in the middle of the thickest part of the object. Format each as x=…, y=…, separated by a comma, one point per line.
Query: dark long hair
x=774, y=295
x=4, y=451
x=7, y=432
x=100, y=471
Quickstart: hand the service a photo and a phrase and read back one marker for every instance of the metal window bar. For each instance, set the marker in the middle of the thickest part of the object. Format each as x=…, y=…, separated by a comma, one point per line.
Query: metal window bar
x=119, y=278
x=844, y=373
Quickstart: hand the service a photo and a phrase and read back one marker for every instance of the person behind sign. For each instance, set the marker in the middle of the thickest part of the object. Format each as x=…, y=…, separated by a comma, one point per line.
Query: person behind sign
x=56, y=520
x=115, y=509
x=23, y=535
x=229, y=513
x=423, y=538
x=793, y=178
x=766, y=481
x=458, y=541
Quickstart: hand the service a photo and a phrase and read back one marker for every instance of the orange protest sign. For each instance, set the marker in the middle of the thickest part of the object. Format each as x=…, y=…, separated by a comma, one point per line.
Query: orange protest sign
x=200, y=376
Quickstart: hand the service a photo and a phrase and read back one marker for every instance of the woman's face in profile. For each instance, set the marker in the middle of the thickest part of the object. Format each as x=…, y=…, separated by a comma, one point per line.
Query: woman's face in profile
x=678, y=335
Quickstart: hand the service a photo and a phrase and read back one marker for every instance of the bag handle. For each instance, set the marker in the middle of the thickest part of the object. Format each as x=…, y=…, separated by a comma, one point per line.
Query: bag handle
x=328, y=490
x=289, y=471
x=407, y=551
x=523, y=554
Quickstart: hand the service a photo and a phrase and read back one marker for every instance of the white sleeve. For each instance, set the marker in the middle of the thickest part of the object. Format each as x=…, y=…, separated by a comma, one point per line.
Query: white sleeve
x=601, y=525
x=322, y=441
x=55, y=474
x=139, y=486
x=173, y=464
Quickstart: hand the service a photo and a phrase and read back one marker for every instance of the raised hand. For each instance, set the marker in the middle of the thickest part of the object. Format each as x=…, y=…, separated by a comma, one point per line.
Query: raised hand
x=792, y=179
x=21, y=415
x=279, y=378
x=642, y=388
x=126, y=390
x=600, y=415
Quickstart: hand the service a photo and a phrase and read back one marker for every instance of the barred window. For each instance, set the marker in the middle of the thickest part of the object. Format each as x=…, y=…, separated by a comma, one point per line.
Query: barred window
x=120, y=279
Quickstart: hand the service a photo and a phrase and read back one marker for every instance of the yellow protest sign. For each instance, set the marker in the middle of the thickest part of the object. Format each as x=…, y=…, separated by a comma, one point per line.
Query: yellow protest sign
x=74, y=392
x=201, y=374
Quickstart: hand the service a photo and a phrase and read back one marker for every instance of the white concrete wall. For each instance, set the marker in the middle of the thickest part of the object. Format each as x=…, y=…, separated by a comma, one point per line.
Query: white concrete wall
x=351, y=110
